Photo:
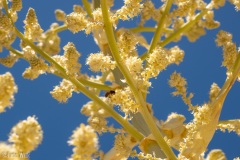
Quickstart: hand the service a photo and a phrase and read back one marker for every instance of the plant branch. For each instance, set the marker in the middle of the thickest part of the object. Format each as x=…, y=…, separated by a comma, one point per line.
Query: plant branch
x=126, y=125
x=87, y=6
x=138, y=96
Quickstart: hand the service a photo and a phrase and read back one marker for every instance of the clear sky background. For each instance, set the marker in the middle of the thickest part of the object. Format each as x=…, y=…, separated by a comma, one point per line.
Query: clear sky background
x=201, y=67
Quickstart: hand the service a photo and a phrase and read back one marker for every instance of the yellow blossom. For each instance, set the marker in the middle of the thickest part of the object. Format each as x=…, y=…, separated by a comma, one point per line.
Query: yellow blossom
x=10, y=60
x=32, y=28
x=26, y=135
x=76, y=22
x=178, y=82
x=123, y=145
x=130, y=9
x=7, y=90
x=72, y=65
x=100, y=62
x=214, y=90
x=49, y=41
x=85, y=142
x=230, y=125
x=37, y=64
x=16, y=5
x=64, y=91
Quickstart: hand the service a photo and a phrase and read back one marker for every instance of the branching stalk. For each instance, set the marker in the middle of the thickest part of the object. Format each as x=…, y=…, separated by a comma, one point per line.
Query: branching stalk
x=126, y=125
x=138, y=96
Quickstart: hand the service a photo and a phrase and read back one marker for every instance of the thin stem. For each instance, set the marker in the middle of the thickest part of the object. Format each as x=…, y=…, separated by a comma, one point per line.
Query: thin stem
x=95, y=85
x=181, y=30
x=126, y=125
x=60, y=28
x=158, y=32
x=184, y=28
x=138, y=96
x=143, y=29
x=159, y=29
x=18, y=53
x=87, y=6
x=148, y=29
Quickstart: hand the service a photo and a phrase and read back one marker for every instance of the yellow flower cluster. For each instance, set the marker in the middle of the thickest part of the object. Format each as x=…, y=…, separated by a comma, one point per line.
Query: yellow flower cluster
x=7, y=33
x=230, y=125
x=64, y=91
x=9, y=61
x=37, y=64
x=85, y=142
x=130, y=9
x=7, y=90
x=32, y=28
x=124, y=99
x=160, y=58
x=100, y=62
x=178, y=82
x=49, y=41
x=71, y=56
x=26, y=135
x=224, y=39
x=123, y=145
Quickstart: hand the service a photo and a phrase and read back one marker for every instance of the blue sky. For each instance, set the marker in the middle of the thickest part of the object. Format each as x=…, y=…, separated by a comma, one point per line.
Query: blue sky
x=201, y=67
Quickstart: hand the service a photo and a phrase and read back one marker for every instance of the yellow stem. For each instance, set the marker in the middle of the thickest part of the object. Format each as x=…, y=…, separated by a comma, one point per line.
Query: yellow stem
x=160, y=25
x=87, y=6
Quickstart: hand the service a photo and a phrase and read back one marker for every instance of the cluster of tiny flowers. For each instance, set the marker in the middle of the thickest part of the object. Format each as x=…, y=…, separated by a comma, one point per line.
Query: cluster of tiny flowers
x=49, y=41
x=7, y=33
x=32, y=28
x=130, y=9
x=147, y=11
x=224, y=39
x=72, y=65
x=63, y=91
x=76, y=21
x=7, y=89
x=123, y=145
x=160, y=58
x=124, y=99
x=183, y=8
x=10, y=60
x=126, y=43
x=230, y=125
x=214, y=90
x=97, y=117
x=179, y=83
x=26, y=135
x=134, y=65
x=142, y=156
x=85, y=142
x=100, y=62
x=37, y=64
x=91, y=109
